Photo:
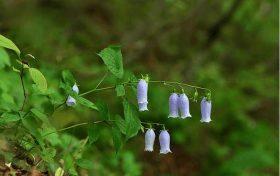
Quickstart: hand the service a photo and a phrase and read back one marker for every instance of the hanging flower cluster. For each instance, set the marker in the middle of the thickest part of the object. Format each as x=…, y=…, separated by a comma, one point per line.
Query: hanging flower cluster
x=164, y=141
x=179, y=107
x=70, y=100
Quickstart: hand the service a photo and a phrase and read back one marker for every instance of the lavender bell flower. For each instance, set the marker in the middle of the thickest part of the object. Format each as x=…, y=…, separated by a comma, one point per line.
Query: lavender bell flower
x=205, y=106
x=173, y=105
x=184, y=106
x=149, y=140
x=75, y=88
x=70, y=100
x=164, y=141
x=142, y=94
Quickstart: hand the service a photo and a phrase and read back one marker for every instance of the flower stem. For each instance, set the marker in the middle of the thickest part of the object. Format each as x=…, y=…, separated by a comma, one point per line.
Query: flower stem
x=168, y=83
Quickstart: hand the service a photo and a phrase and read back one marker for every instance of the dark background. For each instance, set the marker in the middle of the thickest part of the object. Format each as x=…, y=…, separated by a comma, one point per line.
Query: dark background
x=228, y=46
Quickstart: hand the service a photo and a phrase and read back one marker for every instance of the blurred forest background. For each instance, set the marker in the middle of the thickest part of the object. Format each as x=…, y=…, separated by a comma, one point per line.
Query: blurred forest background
x=228, y=46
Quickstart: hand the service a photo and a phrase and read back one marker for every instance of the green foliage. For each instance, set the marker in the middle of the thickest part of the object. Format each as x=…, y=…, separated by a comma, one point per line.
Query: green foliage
x=39, y=79
x=112, y=57
x=7, y=43
x=120, y=90
x=133, y=124
x=93, y=133
x=4, y=58
x=117, y=138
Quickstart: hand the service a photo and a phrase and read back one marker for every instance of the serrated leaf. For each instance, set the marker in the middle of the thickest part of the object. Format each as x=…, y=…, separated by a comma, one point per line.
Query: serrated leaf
x=117, y=138
x=121, y=124
x=103, y=110
x=48, y=155
x=59, y=172
x=120, y=90
x=7, y=43
x=4, y=58
x=40, y=115
x=84, y=163
x=112, y=58
x=85, y=102
x=8, y=118
x=39, y=79
x=133, y=124
x=93, y=133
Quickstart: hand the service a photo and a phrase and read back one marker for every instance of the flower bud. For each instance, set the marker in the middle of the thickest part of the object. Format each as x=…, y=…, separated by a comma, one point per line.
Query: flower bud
x=142, y=95
x=70, y=101
x=164, y=141
x=205, y=106
x=184, y=106
x=173, y=105
x=75, y=88
x=149, y=140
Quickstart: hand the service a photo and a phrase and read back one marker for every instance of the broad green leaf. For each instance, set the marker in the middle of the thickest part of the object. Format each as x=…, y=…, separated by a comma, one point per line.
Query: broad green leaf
x=103, y=110
x=133, y=124
x=112, y=58
x=39, y=79
x=120, y=90
x=48, y=155
x=86, y=102
x=8, y=118
x=40, y=115
x=68, y=78
x=117, y=138
x=59, y=172
x=93, y=133
x=4, y=58
x=84, y=163
x=120, y=123
x=7, y=43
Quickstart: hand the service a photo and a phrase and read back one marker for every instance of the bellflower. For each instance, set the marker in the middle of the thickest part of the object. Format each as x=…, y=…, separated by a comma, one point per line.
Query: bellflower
x=205, y=106
x=184, y=106
x=149, y=140
x=142, y=95
x=75, y=88
x=173, y=105
x=70, y=101
x=164, y=141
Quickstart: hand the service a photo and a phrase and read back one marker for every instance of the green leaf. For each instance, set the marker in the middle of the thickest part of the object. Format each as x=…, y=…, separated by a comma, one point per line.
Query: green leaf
x=84, y=163
x=117, y=138
x=40, y=115
x=68, y=78
x=86, y=102
x=7, y=43
x=48, y=155
x=39, y=79
x=112, y=57
x=8, y=118
x=103, y=110
x=133, y=124
x=121, y=124
x=93, y=133
x=120, y=90
x=4, y=58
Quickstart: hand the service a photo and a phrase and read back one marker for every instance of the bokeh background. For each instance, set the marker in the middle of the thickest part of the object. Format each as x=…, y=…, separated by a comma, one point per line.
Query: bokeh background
x=228, y=46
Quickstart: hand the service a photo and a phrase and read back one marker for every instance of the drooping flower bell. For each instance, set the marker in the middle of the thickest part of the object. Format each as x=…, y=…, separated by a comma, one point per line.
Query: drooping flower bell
x=184, y=106
x=164, y=141
x=142, y=95
x=173, y=105
x=205, y=106
x=70, y=100
x=149, y=140
x=75, y=88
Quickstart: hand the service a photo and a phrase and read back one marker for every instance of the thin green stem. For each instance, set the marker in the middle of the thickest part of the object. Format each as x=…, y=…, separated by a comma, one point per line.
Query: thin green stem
x=169, y=83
